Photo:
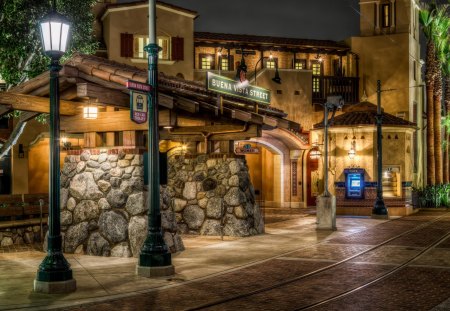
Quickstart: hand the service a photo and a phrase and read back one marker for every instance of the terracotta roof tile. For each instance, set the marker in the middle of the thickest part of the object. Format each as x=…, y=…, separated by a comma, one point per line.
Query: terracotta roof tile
x=365, y=114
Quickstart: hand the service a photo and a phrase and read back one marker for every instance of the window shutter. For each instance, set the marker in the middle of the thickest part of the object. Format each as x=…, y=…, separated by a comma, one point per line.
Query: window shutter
x=126, y=45
x=177, y=48
x=231, y=63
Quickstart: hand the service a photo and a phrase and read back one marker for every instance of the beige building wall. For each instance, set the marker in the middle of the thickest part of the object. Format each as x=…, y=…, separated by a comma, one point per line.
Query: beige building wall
x=133, y=19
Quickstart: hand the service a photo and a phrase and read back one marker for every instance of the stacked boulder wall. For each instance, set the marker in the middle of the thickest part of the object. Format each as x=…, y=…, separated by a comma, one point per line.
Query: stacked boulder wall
x=213, y=196
x=104, y=205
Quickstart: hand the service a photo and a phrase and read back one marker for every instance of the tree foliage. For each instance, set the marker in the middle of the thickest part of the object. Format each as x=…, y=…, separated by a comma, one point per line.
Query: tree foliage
x=21, y=55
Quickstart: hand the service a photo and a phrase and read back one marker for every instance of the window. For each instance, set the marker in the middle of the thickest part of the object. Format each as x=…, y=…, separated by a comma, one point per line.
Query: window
x=141, y=41
x=316, y=85
x=385, y=15
x=270, y=64
x=300, y=64
x=316, y=68
x=206, y=61
x=164, y=43
x=224, y=63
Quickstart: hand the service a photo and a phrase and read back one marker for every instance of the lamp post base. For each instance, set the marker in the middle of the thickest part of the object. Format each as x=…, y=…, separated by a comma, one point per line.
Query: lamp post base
x=326, y=212
x=150, y=272
x=380, y=211
x=60, y=287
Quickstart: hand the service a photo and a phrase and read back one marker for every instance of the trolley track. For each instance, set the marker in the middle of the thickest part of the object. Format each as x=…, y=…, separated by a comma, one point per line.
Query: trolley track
x=424, y=226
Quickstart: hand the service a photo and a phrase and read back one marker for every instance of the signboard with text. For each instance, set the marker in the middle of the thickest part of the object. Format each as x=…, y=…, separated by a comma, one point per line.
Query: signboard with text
x=246, y=149
x=231, y=87
x=138, y=107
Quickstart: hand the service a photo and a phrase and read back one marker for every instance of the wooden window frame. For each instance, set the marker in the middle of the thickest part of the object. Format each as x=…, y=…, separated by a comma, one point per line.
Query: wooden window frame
x=300, y=61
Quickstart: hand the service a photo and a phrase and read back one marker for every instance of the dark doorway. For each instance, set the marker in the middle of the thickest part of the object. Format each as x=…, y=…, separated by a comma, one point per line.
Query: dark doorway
x=5, y=174
x=312, y=166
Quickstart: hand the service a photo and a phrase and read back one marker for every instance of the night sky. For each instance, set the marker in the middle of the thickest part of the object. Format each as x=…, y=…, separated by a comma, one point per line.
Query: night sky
x=307, y=19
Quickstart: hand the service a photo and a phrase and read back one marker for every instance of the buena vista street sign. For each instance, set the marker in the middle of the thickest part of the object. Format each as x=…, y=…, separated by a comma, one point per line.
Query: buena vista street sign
x=231, y=87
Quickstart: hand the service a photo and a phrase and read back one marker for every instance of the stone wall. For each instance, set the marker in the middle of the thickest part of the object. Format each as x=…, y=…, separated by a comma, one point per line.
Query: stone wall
x=213, y=196
x=103, y=209
x=20, y=235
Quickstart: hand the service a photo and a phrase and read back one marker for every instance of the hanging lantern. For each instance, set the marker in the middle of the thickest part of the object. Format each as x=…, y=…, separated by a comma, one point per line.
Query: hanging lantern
x=315, y=154
x=90, y=112
x=352, y=152
x=55, y=30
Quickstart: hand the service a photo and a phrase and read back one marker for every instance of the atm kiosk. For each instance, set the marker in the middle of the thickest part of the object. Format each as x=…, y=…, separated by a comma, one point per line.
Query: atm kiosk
x=354, y=183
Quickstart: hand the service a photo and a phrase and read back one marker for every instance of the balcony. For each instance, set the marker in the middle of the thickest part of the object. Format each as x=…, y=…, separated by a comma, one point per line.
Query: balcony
x=347, y=87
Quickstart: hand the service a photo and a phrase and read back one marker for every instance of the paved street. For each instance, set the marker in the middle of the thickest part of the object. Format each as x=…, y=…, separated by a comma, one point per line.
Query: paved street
x=288, y=268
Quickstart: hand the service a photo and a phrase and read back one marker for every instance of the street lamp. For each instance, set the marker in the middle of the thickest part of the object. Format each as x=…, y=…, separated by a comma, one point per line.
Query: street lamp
x=54, y=274
x=275, y=79
x=379, y=210
x=326, y=203
x=154, y=258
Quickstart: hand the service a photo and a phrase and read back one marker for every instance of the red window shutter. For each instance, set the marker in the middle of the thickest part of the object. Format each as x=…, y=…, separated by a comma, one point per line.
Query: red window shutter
x=177, y=48
x=126, y=45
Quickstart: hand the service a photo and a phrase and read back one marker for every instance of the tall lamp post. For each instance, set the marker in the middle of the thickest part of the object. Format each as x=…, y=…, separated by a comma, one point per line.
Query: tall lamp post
x=154, y=259
x=326, y=203
x=54, y=274
x=379, y=210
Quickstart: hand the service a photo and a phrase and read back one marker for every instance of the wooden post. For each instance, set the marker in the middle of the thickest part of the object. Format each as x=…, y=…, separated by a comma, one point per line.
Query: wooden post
x=110, y=136
x=133, y=138
x=92, y=140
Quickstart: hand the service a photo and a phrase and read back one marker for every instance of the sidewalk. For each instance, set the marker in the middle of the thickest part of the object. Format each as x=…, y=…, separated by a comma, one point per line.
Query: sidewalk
x=102, y=278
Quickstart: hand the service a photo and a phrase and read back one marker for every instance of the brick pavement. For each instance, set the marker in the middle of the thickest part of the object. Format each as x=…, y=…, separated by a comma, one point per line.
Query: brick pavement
x=421, y=286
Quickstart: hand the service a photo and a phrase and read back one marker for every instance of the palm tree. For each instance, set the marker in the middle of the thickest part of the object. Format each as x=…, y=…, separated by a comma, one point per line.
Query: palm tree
x=426, y=17
x=441, y=24
x=446, y=82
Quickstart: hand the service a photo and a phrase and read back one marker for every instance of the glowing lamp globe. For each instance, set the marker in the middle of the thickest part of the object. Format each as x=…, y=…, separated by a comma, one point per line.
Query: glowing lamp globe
x=55, y=30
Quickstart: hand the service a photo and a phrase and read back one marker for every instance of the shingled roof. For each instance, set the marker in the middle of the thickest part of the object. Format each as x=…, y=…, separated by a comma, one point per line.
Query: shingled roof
x=364, y=114
x=323, y=45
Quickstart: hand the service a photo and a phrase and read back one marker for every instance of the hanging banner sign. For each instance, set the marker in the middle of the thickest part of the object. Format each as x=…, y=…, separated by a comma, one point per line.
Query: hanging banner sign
x=224, y=85
x=246, y=149
x=138, y=107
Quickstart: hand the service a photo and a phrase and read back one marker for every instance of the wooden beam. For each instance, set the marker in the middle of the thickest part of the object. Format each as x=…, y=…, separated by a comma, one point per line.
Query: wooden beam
x=209, y=129
x=115, y=121
x=252, y=131
x=4, y=109
x=36, y=103
x=69, y=93
x=103, y=95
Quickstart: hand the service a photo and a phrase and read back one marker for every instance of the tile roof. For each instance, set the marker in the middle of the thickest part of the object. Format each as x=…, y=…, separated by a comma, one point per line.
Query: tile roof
x=168, y=5
x=365, y=114
x=266, y=40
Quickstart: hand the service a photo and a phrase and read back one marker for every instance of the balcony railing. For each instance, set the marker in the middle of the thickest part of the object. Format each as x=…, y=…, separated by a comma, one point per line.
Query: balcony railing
x=347, y=87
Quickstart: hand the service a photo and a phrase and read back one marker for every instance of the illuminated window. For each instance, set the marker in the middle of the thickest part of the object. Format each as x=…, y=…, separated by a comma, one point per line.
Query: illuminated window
x=385, y=15
x=141, y=41
x=300, y=64
x=316, y=68
x=206, y=61
x=164, y=43
x=224, y=63
x=270, y=64
x=316, y=85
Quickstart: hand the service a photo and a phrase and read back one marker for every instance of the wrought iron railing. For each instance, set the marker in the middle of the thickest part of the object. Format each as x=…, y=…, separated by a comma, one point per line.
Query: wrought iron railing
x=347, y=87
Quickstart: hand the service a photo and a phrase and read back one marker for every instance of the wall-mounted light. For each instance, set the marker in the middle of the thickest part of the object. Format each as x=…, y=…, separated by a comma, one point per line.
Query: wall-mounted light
x=90, y=112
x=315, y=154
x=352, y=151
x=319, y=58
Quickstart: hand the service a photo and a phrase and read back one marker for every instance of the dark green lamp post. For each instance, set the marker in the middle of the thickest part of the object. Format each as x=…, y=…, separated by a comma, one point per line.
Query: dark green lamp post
x=54, y=274
x=379, y=210
x=155, y=259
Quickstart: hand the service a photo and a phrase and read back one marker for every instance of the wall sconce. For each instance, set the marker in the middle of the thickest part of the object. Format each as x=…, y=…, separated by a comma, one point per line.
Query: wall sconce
x=90, y=112
x=21, y=151
x=315, y=154
x=319, y=58
x=66, y=144
x=352, y=151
